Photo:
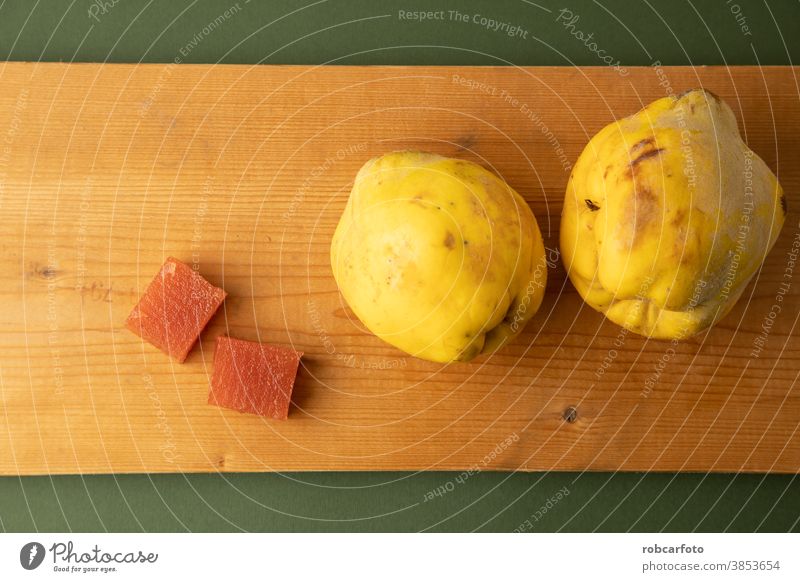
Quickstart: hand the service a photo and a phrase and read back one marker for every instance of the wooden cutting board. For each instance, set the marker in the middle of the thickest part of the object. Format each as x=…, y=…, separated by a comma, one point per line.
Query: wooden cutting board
x=105, y=170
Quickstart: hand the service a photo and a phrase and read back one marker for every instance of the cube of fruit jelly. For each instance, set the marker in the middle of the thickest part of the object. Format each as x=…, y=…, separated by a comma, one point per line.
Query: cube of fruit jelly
x=253, y=377
x=174, y=309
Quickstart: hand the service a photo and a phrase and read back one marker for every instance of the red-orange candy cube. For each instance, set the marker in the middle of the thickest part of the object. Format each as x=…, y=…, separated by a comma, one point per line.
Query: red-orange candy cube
x=253, y=377
x=174, y=309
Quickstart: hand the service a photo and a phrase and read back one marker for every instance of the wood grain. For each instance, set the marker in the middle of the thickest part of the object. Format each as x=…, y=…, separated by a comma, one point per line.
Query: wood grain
x=107, y=169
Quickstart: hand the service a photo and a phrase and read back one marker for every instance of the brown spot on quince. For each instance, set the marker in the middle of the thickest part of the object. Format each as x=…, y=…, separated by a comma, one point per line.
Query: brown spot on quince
x=642, y=143
x=641, y=212
x=678, y=219
x=646, y=156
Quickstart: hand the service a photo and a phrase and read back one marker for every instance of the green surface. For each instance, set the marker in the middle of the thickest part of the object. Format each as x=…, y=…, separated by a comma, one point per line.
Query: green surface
x=397, y=502
x=674, y=32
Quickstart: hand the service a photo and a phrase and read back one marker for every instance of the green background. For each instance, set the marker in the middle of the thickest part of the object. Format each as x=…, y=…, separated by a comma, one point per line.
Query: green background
x=674, y=32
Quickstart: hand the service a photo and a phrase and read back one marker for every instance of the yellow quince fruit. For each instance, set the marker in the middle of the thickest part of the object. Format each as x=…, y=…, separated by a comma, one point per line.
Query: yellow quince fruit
x=668, y=214
x=438, y=257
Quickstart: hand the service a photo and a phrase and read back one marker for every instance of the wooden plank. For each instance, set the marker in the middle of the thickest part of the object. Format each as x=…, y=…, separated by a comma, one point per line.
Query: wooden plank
x=107, y=169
